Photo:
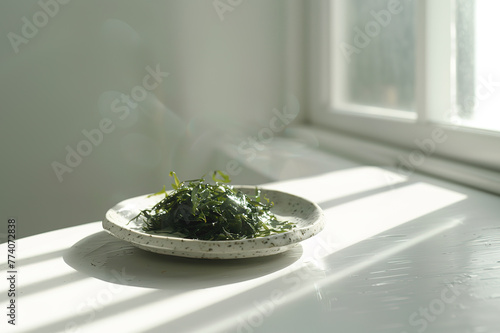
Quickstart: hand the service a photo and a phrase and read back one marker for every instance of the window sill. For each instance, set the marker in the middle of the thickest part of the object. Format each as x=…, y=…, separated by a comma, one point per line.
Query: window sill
x=404, y=161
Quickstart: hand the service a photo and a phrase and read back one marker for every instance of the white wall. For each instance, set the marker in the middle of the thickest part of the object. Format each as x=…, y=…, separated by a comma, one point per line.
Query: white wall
x=225, y=77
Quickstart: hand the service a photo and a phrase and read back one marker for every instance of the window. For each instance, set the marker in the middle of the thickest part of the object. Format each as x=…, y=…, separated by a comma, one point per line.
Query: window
x=476, y=69
x=375, y=69
x=398, y=70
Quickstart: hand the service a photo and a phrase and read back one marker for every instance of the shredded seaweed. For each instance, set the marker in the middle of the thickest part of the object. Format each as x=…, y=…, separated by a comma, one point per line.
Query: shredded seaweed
x=197, y=209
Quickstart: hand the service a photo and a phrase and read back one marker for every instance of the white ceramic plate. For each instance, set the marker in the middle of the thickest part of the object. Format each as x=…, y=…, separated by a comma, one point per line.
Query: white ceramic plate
x=307, y=216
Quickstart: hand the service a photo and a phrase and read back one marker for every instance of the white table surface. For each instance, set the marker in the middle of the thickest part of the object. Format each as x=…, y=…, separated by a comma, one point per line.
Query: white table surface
x=398, y=255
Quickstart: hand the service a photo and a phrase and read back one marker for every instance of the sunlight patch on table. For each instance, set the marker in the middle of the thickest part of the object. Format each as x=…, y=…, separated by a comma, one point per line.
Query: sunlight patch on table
x=338, y=184
x=360, y=219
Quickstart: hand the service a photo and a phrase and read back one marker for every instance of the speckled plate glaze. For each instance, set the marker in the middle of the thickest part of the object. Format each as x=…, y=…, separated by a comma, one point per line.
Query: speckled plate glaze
x=307, y=216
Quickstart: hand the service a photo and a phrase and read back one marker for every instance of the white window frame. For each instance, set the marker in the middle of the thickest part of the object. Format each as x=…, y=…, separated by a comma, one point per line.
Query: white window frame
x=467, y=145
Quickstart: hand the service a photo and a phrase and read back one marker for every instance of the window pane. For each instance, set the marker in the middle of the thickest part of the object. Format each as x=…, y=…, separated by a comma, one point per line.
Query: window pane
x=476, y=97
x=376, y=42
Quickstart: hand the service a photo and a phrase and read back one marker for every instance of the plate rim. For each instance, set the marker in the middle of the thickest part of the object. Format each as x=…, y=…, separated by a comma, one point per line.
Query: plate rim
x=264, y=242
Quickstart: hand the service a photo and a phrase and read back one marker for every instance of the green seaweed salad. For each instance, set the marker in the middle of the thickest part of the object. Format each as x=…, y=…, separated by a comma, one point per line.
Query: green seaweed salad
x=199, y=210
